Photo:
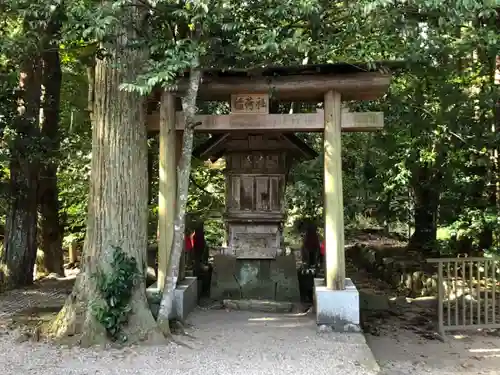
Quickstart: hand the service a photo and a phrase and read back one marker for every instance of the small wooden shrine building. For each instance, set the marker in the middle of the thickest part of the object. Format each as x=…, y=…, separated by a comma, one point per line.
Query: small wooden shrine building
x=252, y=264
x=259, y=148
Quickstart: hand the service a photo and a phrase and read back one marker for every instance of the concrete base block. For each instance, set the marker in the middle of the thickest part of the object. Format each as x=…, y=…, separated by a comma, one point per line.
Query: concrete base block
x=338, y=309
x=185, y=298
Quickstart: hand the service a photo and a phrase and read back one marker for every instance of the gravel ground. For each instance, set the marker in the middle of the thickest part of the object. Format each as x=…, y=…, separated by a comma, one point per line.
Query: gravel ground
x=219, y=342
x=233, y=343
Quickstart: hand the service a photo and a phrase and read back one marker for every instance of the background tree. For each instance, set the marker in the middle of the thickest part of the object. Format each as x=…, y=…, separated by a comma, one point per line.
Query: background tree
x=52, y=228
x=21, y=135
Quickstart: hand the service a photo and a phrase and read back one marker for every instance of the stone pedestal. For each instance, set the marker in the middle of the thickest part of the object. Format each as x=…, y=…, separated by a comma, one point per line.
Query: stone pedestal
x=259, y=279
x=185, y=298
x=338, y=309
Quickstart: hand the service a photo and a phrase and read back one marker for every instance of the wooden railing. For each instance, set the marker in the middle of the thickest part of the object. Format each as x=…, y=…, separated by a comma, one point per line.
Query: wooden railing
x=467, y=293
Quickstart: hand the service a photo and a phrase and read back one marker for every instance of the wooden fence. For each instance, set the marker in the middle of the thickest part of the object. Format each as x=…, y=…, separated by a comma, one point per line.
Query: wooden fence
x=467, y=293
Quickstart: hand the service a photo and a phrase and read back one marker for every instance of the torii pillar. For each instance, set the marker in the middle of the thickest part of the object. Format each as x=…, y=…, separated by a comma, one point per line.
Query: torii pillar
x=170, y=149
x=336, y=298
x=333, y=200
x=167, y=184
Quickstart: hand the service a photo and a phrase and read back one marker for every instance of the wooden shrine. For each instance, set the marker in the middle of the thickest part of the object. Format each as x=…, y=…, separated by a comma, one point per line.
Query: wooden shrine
x=256, y=172
x=259, y=147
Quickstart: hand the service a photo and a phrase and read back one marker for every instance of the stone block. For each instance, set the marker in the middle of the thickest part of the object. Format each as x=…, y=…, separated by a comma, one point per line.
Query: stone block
x=407, y=281
x=259, y=305
x=396, y=279
x=259, y=289
x=259, y=279
x=338, y=309
x=223, y=283
x=284, y=275
x=425, y=302
x=253, y=277
x=185, y=298
x=431, y=286
x=373, y=302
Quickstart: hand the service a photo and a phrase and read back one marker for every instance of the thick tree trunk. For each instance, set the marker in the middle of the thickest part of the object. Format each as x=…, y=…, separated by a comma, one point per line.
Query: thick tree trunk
x=183, y=173
x=52, y=228
x=118, y=212
x=425, y=214
x=17, y=261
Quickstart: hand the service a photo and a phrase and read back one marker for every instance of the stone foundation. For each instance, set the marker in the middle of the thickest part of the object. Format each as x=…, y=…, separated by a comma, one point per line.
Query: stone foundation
x=338, y=309
x=258, y=279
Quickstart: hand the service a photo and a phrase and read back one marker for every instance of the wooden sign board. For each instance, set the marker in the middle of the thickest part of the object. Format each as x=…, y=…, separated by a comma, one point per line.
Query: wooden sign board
x=250, y=103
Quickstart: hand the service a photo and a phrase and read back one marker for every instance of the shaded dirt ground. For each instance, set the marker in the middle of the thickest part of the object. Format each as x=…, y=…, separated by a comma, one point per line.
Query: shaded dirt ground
x=401, y=332
x=403, y=340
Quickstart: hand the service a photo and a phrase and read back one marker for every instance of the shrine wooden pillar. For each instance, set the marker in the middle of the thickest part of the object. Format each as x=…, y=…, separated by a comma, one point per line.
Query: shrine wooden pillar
x=333, y=199
x=167, y=184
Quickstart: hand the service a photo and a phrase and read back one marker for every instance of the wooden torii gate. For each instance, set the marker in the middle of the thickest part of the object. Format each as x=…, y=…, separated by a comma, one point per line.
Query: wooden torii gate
x=249, y=95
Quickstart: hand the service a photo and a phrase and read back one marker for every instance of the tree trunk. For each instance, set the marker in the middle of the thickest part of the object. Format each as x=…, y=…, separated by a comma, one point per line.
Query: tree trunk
x=425, y=214
x=486, y=239
x=52, y=228
x=151, y=160
x=118, y=211
x=183, y=172
x=17, y=261
x=489, y=64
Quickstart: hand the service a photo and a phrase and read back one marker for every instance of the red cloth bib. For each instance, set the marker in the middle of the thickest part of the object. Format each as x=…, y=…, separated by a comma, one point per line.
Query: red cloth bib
x=188, y=243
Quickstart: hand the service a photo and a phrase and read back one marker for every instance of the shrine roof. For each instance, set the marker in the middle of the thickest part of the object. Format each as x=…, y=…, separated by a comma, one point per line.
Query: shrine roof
x=216, y=146
x=302, y=83
x=339, y=68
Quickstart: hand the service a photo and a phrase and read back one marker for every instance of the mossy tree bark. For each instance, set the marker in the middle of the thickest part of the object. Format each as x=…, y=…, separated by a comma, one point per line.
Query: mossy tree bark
x=118, y=212
x=183, y=173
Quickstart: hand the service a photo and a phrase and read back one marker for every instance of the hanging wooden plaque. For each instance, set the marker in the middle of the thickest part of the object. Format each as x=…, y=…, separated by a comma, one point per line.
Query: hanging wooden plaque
x=250, y=103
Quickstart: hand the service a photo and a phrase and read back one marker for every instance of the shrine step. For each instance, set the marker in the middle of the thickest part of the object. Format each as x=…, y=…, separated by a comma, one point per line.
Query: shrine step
x=258, y=305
